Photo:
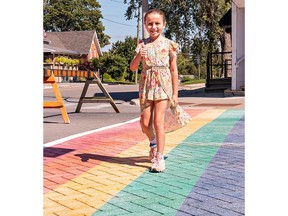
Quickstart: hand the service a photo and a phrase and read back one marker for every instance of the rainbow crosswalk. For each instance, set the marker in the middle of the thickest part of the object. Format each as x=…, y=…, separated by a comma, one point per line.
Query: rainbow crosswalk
x=106, y=172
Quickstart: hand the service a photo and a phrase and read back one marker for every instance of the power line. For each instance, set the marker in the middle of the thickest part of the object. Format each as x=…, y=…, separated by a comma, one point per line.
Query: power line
x=119, y=23
x=117, y=1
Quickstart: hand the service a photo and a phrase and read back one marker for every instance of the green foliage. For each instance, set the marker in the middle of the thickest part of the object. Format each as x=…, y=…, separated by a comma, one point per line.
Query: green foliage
x=186, y=79
x=96, y=63
x=206, y=15
x=117, y=61
x=49, y=60
x=189, y=19
x=66, y=61
x=192, y=24
x=132, y=7
x=107, y=78
x=193, y=81
x=86, y=65
x=74, y=15
x=114, y=65
x=186, y=65
x=118, y=67
x=125, y=48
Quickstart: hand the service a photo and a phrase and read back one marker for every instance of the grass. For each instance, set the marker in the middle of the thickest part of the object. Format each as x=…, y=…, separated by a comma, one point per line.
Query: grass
x=195, y=81
x=115, y=82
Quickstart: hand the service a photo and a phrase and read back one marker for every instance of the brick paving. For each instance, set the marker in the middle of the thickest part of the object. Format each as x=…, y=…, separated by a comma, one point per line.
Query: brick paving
x=106, y=172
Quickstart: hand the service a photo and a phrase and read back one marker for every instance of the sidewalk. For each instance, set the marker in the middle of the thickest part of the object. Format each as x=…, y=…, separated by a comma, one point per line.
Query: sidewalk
x=105, y=172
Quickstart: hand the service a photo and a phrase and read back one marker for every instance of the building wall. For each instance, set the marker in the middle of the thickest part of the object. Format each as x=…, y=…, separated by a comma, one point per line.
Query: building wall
x=93, y=51
x=238, y=47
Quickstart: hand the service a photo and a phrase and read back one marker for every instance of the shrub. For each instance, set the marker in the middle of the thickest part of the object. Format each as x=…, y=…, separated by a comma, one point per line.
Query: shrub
x=107, y=78
x=186, y=79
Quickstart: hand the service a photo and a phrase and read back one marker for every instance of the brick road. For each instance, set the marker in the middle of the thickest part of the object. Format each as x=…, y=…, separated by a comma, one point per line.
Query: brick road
x=106, y=172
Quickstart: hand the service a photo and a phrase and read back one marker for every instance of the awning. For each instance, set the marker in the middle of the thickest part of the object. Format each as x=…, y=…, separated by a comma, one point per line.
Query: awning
x=55, y=50
x=225, y=21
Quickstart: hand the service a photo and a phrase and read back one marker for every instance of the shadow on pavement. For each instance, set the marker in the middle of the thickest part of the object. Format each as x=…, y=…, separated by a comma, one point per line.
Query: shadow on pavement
x=53, y=152
x=132, y=161
x=128, y=96
x=124, y=96
x=199, y=92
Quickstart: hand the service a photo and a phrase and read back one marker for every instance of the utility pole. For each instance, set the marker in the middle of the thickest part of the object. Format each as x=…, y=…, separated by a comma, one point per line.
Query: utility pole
x=198, y=62
x=138, y=36
x=144, y=31
x=144, y=10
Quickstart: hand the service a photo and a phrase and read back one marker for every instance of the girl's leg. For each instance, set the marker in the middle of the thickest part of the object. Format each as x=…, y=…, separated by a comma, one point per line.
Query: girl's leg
x=146, y=121
x=159, y=116
x=147, y=127
x=158, y=164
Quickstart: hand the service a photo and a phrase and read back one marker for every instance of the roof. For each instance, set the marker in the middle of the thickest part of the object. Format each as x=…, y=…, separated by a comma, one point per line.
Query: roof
x=77, y=41
x=56, y=50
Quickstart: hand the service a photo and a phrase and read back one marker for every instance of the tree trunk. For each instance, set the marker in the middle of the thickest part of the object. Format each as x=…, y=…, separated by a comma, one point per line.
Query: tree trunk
x=227, y=47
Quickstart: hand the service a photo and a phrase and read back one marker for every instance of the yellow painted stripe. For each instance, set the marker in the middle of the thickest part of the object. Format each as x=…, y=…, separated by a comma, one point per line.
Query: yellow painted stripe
x=88, y=192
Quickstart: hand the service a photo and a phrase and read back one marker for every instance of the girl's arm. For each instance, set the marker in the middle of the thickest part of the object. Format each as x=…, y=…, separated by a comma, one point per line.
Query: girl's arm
x=137, y=58
x=135, y=62
x=174, y=76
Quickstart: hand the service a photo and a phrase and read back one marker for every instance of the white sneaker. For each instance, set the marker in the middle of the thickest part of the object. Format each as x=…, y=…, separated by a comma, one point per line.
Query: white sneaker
x=158, y=164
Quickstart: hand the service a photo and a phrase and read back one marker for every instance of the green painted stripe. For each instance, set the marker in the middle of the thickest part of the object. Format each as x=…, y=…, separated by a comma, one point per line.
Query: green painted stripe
x=163, y=193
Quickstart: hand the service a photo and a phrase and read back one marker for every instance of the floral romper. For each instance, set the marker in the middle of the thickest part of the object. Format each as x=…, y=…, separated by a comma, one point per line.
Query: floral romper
x=156, y=81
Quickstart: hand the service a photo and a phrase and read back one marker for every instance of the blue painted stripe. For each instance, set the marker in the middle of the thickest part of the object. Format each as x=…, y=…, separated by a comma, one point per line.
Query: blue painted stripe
x=220, y=190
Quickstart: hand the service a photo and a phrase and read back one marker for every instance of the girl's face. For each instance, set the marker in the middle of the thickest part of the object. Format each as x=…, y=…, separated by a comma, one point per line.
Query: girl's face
x=154, y=25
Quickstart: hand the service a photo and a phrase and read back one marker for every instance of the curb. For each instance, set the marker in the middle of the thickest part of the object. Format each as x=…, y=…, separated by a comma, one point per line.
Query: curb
x=135, y=102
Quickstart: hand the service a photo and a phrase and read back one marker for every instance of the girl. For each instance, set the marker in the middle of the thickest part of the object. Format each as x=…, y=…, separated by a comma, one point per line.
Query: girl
x=158, y=85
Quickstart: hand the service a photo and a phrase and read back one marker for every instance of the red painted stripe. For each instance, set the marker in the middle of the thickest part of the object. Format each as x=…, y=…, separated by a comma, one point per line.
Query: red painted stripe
x=71, y=158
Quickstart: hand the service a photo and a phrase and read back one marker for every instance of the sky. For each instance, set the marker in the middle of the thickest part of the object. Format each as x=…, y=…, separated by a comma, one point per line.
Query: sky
x=116, y=25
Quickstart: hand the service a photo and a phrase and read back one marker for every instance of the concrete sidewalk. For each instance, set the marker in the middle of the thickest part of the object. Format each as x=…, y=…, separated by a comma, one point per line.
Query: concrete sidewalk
x=105, y=171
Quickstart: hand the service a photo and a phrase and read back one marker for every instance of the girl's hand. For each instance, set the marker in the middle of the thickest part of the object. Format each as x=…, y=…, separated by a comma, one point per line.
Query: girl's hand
x=143, y=50
x=137, y=58
x=175, y=100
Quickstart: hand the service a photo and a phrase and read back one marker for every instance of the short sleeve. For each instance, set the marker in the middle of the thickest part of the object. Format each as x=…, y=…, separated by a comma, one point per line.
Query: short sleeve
x=173, y=49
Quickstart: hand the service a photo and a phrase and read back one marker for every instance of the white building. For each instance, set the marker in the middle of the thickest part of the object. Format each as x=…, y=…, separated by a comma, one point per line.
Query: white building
x=238, y=45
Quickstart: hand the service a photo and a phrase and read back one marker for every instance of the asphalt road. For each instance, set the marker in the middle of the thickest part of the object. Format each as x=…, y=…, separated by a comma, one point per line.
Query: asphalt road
x=97, y=115
x=92, y=115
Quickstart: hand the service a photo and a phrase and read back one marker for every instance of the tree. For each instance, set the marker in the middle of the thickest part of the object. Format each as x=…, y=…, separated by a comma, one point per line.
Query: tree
x=74, y=15
x=114, y=65
x=186, y=65
x=116, y=62
x=193, y=24
x=125, y=49
x=185, y=19
x=206, y=15
x=131, y=11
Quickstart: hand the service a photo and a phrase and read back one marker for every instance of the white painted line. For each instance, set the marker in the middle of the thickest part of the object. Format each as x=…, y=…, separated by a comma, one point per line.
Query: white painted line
x=234, y=97
x=55, y=142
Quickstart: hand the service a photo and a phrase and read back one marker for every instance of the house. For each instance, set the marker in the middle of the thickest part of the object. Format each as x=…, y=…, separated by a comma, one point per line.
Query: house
x=75, y=44
x=233, y=82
